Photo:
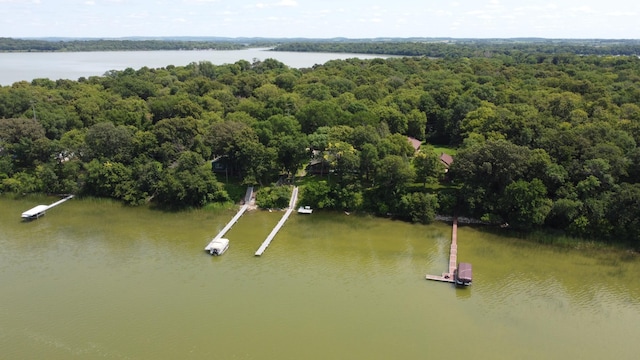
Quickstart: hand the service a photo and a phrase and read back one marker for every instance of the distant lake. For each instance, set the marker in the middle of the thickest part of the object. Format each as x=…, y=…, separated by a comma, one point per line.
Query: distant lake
x=73, y=65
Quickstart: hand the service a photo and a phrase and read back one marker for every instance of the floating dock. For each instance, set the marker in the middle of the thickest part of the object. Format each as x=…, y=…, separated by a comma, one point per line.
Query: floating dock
x=38, y=211
x=292, y=204
x=247, y=200
x=453, y=257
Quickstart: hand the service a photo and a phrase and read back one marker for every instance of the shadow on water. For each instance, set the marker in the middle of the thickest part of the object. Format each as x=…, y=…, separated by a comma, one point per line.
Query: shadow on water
x=463, y=293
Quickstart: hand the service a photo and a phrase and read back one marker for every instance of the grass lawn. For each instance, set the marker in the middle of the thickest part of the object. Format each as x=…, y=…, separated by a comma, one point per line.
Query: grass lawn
x=445, y=149
x=431, y=187
x=235, y=190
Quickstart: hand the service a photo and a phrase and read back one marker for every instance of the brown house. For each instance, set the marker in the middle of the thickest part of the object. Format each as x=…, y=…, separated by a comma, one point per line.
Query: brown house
x=318, y=166
x=415, y=143
x=446, y=160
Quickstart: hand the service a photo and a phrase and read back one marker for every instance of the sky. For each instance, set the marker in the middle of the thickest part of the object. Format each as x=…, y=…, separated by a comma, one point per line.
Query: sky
x=610, y=19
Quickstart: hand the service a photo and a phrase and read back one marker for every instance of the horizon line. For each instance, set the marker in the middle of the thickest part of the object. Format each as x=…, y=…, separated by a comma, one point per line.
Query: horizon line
x=160, y=37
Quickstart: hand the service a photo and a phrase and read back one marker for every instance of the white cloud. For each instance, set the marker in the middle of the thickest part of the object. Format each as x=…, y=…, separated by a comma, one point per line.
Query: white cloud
x=138, y=15
x=287, y=3
x=494, y=4
x=476, y=12
x=456, y=18
x=622, y=13
x=281, y=3
x=583, y=9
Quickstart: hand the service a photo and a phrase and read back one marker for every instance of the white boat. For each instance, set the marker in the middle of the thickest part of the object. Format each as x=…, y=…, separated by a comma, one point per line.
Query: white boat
x=218, y=247
x=35, y=212
x=305, y=210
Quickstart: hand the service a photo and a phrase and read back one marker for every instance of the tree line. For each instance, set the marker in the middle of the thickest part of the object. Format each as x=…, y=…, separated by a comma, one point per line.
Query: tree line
x=32, y=45
x=550, y=143
x=518, y=49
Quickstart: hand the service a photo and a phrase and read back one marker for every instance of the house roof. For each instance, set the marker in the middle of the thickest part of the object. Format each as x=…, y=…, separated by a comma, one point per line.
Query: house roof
x=446, y=159
x=414, y=142
x=317, y=161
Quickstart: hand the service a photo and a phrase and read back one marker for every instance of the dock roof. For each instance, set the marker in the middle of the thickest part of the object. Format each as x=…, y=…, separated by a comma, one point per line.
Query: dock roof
x=464, y=271
x=35, y=211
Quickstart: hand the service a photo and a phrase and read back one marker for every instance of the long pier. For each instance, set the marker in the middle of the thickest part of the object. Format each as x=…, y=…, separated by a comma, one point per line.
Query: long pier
x=453, y=256
x=292, y=204
x=247, y=200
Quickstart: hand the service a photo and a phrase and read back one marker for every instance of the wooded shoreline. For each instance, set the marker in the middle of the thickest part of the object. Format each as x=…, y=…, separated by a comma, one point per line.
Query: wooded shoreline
x=542, y=140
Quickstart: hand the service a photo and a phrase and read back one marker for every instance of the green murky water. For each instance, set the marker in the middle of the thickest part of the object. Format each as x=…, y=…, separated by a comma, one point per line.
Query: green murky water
x=93, y=279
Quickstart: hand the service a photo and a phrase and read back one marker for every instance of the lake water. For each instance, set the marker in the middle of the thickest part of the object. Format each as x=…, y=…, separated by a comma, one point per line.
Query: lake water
x=94, y=279
x=73, y=65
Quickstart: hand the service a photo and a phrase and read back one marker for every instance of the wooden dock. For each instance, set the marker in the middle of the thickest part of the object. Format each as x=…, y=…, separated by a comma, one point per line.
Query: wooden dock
x=292, y=204
x=247, y=200
x=453, y=256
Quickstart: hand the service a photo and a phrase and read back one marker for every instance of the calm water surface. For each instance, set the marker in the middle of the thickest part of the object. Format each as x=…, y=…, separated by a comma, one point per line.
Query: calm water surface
x=93, y=279
x=73, y=65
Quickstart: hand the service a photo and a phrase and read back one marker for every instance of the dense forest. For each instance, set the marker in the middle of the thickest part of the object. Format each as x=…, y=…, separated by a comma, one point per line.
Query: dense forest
x=542, y=140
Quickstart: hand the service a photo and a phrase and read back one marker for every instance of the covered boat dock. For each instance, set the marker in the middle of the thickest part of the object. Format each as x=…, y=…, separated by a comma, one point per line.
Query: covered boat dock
x=38, y=211
x=35, y=212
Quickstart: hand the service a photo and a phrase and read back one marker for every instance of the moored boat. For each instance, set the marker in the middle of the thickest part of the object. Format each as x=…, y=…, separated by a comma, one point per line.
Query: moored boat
x=305, y=210
x=218, y=247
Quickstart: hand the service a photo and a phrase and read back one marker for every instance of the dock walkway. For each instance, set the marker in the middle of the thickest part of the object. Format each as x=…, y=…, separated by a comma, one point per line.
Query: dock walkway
x=292, y=204
x=247, y=201
x=59, y=202
x=453, y=256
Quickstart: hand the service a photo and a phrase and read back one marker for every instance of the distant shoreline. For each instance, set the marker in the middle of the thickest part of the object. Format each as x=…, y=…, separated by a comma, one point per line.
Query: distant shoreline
x=431, y=47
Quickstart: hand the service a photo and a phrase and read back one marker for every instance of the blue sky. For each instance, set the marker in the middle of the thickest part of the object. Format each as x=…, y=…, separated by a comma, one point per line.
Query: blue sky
x=322, y=18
